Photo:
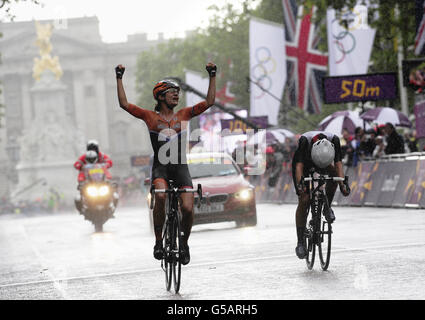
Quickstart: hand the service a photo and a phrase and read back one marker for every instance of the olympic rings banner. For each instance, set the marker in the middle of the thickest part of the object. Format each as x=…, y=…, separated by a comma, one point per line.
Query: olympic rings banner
x=267, y=58
x=367, y=87
x=349, y=47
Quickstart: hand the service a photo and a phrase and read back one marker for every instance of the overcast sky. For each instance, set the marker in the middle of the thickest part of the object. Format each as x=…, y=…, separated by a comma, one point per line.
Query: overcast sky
x=117, y=19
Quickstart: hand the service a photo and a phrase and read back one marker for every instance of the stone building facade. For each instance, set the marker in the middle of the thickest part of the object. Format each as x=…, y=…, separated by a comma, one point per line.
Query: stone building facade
x=91, y=100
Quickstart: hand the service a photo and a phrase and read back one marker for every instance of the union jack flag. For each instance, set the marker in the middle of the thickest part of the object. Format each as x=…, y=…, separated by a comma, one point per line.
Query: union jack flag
x=305, y=64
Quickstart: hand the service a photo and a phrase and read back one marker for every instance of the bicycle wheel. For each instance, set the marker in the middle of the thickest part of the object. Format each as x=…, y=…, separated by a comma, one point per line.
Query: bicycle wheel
x=177, y=253
x=325, y=244
x=167, y=244
x=310, y=246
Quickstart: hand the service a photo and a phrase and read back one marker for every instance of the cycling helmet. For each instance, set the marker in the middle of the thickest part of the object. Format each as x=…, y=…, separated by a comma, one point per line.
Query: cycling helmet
x=93, y=145
x=322, y=153
x=162, y=86
x=91, y=156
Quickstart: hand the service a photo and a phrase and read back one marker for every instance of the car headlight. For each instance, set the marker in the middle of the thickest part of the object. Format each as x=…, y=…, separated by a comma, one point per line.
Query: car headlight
x=92, y=191
x=103, y=191
x=244, y=194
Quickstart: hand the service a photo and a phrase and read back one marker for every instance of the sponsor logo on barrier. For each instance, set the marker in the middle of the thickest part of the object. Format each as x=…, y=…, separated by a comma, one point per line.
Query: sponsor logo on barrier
x=390, y=185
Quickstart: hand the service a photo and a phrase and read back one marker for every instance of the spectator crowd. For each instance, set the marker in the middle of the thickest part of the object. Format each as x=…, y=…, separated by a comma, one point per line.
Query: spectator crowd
x=362, y=145
x=375, y=143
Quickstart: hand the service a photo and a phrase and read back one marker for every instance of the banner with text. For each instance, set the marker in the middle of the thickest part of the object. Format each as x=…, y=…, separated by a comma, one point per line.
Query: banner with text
x=358, y=88
x=237, y=125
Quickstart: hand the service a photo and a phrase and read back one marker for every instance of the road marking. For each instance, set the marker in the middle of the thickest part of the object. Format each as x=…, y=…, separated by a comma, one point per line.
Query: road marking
x=58, y=280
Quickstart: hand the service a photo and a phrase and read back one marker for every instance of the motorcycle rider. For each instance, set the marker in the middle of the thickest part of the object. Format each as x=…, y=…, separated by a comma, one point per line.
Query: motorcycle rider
x=92, y=155
x=93, y=145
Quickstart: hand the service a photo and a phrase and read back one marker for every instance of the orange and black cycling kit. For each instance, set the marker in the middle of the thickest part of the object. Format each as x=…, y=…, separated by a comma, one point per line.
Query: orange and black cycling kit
x=168, y=138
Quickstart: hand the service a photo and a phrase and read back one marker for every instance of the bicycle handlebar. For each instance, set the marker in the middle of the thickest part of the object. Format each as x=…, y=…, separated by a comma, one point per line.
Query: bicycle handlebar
x=325, y=178
x=184, y=190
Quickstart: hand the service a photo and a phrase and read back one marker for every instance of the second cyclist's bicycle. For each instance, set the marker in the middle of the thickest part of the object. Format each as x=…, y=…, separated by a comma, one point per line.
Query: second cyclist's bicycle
x=171, y=233
x=319, y=232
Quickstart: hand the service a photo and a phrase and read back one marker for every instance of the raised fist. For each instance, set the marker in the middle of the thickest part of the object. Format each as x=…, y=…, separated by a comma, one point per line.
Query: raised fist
x=212, y=69
x=119, y=71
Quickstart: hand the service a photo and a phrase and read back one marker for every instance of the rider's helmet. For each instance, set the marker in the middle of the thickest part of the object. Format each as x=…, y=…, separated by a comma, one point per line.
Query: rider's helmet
x=91, y=156
x=163, y=86
x=93, y=145
x=322, y=153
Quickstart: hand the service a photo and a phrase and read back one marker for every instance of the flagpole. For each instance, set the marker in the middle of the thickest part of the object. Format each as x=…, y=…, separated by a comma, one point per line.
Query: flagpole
x=281, y=103
x=400, y=57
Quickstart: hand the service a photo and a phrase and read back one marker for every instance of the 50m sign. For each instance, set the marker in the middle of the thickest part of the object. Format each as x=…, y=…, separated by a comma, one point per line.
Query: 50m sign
x=360, y=88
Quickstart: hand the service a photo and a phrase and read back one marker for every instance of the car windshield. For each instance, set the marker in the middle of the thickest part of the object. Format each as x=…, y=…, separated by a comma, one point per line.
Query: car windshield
x=211, y=168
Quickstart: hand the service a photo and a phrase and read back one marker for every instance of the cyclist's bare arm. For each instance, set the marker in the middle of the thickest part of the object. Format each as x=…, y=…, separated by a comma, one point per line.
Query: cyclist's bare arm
x=211, y=68
x=345, y=189
x=122, y=98
x=299, y=169
x=339, y=170
x=209, y=101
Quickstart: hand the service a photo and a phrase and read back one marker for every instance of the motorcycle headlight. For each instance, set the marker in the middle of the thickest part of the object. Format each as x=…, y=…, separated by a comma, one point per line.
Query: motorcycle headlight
x=92, y=191
x=244, y=194
x=103, y=191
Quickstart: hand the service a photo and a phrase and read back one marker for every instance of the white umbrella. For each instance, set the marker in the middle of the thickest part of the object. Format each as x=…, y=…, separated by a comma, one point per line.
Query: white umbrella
x=270, y=136
x=382, y=115
x=339, y=120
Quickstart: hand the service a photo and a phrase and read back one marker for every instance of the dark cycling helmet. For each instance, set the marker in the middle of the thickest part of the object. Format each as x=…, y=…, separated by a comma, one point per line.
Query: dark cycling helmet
x=322, y=153
x=93, y=145
x=91, y=156
x=162, y=86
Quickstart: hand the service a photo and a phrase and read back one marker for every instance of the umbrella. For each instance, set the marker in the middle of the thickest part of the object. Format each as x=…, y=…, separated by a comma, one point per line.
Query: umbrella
x=339, y=120
x=382, y=115
x=287, y=133
x=270, y=136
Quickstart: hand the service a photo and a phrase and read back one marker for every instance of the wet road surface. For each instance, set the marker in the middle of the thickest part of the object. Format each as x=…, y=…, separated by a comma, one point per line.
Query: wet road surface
x=378, y=253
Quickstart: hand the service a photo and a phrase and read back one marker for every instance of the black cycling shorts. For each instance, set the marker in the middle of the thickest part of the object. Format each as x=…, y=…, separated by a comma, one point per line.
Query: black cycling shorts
x=179, y=173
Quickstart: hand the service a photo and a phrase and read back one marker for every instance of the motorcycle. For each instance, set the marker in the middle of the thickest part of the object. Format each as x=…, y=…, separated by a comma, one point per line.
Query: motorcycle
x=98, y=196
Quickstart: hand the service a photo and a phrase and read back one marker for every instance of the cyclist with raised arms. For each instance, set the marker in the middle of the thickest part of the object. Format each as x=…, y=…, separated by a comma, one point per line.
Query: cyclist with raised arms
x=320, y=151
x=167, y=131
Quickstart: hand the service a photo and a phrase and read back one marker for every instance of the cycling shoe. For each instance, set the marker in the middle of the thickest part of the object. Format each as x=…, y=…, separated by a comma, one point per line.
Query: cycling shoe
x=301, y=251
x=158, y=251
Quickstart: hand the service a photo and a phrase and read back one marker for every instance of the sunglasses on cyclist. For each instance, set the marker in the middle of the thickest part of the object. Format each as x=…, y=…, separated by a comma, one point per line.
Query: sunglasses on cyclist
x=172, y=90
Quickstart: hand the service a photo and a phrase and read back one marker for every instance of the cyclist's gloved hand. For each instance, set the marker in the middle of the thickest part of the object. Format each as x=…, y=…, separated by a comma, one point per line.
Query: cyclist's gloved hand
x=119, y=71
x=212, y=69
x=345, y=189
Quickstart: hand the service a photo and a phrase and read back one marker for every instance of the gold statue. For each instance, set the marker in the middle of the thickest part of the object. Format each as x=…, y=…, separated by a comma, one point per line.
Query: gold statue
x=47, y=62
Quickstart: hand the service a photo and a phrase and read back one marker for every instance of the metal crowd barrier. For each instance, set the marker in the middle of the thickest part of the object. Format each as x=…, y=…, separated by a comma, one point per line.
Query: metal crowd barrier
x=396, y=181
